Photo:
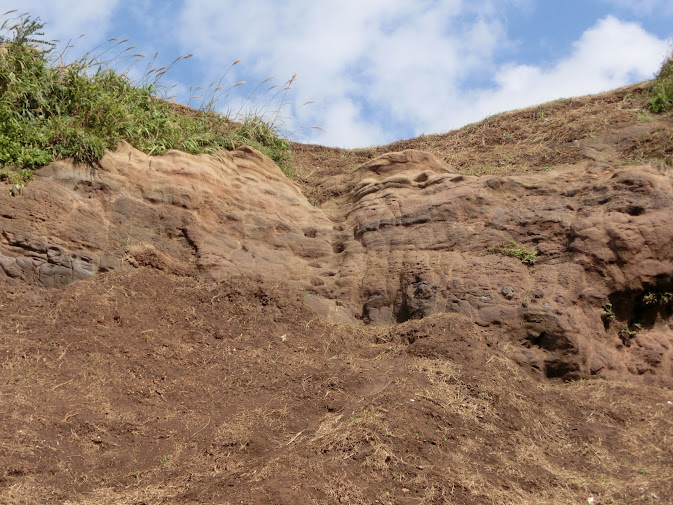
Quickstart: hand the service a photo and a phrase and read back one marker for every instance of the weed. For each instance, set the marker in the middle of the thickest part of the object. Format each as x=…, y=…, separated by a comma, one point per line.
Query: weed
x=16, y=178
x=643, y=116
x=628, y=332
x=511, y=249
x=661, y=91
x=365, y=416
x=652, y=298
x=608, y=316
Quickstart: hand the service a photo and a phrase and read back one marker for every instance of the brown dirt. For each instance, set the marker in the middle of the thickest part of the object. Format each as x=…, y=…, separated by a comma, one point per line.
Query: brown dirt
x=148, y=388
x=214, y=347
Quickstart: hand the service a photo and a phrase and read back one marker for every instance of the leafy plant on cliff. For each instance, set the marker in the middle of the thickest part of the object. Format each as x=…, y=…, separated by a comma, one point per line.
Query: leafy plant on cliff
x=608, y=315
x=510, y=248
x=661, y=92
x=628, y=332
x=16, y=178
x=661, y=299
x=50, y=110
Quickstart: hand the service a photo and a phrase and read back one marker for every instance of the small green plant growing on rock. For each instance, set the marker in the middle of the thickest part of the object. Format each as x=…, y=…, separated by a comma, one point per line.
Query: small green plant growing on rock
x=650, y=299
x=16, y=178
x=510, y=248
x=608, y=315
x=628, y=332
x=662, y=299
x=368, y=416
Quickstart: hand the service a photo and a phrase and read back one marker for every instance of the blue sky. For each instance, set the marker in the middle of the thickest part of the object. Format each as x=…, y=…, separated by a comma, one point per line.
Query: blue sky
x=378, y=70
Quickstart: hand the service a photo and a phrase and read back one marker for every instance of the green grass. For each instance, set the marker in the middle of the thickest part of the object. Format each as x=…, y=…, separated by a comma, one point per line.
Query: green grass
x=82, y=109
x=511, y=249
x=661, y=92
x=16, y=178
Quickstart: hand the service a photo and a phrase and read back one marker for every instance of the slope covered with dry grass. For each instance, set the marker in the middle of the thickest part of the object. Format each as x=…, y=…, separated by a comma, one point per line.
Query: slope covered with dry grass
x=235, y=392
x=614, y=127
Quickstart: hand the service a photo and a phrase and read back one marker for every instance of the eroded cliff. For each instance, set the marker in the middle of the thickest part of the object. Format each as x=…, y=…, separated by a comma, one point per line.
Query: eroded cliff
x=403, y=237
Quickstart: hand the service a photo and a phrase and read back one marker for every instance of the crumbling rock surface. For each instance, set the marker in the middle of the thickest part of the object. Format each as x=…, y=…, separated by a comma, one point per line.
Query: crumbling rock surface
x=403, y=237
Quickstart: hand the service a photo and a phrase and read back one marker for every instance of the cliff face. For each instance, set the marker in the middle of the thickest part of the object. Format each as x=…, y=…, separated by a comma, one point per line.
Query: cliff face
x=404, y=236
x=399, y=324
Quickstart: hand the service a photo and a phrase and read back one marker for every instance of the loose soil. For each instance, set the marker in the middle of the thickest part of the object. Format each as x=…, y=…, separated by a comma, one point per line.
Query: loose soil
x=147, y=388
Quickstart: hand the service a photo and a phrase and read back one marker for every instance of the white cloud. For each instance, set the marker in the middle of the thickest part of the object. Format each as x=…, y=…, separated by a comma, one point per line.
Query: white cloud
x=385, y=62
x=609, y=55
x=67, y=19
x=387, y=68
x=346, y=118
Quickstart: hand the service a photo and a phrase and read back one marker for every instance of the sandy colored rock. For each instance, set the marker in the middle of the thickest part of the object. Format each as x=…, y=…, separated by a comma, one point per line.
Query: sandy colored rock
x=403, y=238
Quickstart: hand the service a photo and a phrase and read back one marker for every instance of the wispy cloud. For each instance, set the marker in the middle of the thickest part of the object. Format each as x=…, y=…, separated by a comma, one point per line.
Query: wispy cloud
x=68, y=19
x=386, y=65
x=386, y=69
x=644, y=7
x=608, y=55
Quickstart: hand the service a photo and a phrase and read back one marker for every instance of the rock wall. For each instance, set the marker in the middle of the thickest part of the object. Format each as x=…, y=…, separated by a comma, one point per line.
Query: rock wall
x=404, y=237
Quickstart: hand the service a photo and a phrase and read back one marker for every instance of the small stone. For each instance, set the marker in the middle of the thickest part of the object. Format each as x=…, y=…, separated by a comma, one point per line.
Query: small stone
x=507, y=292
x=493, y=183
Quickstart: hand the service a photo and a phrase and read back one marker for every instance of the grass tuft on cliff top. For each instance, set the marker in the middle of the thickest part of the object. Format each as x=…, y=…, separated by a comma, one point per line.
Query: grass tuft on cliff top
x=661, y=93
x=79, y=110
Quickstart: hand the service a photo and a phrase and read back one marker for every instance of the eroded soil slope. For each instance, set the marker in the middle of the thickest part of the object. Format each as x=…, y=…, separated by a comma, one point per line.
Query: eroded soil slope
x=150, y=388
x=192, y=329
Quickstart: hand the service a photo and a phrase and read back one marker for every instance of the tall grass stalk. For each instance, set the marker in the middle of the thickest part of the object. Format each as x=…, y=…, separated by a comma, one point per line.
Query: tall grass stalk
x=52, y=109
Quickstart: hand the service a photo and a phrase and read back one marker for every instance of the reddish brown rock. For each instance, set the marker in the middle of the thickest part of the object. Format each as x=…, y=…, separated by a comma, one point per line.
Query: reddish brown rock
x=404, y=237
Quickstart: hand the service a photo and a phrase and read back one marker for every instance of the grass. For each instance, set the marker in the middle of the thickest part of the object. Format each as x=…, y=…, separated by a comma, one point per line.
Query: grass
x=661, y=92
x=16, y=178
x=511, y=249
x=82, y=109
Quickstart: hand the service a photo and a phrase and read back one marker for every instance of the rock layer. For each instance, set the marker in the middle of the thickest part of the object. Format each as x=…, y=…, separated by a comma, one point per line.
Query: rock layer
x=403, y=237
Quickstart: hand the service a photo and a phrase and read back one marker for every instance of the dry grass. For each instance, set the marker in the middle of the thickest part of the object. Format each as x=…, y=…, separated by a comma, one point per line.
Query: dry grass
x=537, y=138
x=197, y=414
